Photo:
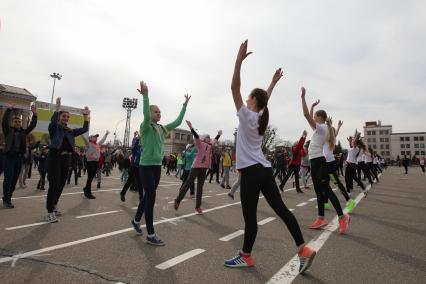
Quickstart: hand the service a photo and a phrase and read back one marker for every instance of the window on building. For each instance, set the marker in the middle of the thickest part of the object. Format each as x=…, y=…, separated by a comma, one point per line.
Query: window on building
x=422, y=138
x=422, y=145
x=387, y=146
x=368, y=132
x=403, y=153
x=401, y=138
x=407, y=152
x=387, y=153
x=416, y=138
x=402, y=146
x=407, y=145
x=182, y=136
x=188, y=138
x=177, y=136
x=382, y=146
x=374, y=147
x=382, y=153
x=407, y=138
x=416, y=145
x=373, y=132
x=422, y=152
x=381, y=132
x=386, y=139
x=417, y=153
x=374, y=140
x=368, y=140
x=381, y=140
x=386, y=132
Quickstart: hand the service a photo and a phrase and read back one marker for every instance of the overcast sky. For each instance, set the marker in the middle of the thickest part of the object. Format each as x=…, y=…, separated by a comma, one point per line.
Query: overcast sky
x=365, y=60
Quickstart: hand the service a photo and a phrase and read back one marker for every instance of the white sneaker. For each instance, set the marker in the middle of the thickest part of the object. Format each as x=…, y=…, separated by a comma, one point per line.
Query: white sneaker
x=51, y=218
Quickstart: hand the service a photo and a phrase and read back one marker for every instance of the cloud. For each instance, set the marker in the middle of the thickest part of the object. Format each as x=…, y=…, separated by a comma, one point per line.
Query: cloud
x=363, y=59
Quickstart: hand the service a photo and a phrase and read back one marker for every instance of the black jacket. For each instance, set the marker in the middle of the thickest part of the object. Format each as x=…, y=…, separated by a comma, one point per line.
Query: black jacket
x=9, y=133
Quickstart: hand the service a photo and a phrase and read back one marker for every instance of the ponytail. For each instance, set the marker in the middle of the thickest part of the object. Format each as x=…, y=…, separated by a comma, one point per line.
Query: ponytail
x=331, y=134
x=263, y=121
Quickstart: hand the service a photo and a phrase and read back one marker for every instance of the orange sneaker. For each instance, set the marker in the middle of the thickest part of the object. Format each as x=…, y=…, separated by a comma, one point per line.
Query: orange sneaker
x=343, y=224
x=306, y=257
x=318, y=223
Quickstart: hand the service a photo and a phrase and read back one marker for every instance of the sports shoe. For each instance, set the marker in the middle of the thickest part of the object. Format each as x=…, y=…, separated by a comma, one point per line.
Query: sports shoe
x=199, y=210
x=343, y=224
x=122, y=197
x=239, y=261
x=231, y=195
x=306, y=257
x=327, y=206
x=155, y=241
x=137, y=227
x=350, y=205
x=318, y=223
x=176, y=205
x=8, y=205
x=222, y=185
x=57, y=212
x=192, y=196
x=228, y=187
x=51, y=218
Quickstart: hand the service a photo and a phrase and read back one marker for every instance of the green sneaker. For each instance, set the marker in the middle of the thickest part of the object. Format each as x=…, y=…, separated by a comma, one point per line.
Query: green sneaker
x=327, y=206
x=350, y=205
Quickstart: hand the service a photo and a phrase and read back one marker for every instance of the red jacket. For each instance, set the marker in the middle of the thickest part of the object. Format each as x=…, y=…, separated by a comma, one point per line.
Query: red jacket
x=298, y=152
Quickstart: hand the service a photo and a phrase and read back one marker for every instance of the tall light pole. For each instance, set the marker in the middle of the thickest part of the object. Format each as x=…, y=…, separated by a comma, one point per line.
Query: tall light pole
x=54, y=76
x=129, y=105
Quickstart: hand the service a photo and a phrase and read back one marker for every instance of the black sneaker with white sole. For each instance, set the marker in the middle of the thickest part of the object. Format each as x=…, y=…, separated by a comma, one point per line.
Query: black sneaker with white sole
x=137, y=227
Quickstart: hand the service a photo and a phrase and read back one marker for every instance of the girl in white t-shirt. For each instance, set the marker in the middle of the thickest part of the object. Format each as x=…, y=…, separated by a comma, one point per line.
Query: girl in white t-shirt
x=320, y=177
x=256, y=171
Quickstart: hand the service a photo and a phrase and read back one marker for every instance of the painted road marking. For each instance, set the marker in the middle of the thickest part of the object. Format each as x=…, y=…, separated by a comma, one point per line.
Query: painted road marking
x=232, y=236
x=313, y=199
x=302, y=204
x=26, y=226
x=265, y=221
x=178, y=259
x=219, y=194
x=97, y=214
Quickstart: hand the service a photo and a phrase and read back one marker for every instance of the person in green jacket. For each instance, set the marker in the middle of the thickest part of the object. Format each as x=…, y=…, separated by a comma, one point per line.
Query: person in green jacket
x=152, y=141
x=179, y=162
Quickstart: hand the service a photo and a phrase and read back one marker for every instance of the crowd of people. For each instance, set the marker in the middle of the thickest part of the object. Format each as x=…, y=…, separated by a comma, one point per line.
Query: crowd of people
x=141, y=166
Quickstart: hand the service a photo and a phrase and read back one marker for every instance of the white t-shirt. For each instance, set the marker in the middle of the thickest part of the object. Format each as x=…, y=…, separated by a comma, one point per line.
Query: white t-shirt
x=375, y=161
x=328, y=153
x=352, y=152
x=422, y=162
x=367, y=157
x=249, y=142
x=360, y=157
x=317, y=141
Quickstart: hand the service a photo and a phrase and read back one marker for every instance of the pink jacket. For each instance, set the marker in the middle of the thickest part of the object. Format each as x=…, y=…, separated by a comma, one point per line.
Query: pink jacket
x=203, y=159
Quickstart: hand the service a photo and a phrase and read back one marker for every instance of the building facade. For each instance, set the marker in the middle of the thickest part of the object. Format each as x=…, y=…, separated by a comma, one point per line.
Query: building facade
x=409, y=144
x=176, y=141
x=378, y=137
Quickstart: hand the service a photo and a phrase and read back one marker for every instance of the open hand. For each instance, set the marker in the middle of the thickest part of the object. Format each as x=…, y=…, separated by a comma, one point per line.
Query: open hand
x=85, y=111
x=220, y=132
x=340, y=123
x=305, y=133
x=143, y=88
x=316, y=103
x=303, y=92
x=277, y=75
x=242, y=53
x=187, y=98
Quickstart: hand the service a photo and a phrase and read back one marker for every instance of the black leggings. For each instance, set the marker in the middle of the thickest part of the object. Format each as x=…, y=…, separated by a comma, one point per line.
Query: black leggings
x=372, y=170
x=185, y=176
x=150, y=176
x=57, y=173
x=332, y=171
x=256, y=179
x=92, y=167
x=292, y=169
x=321, y=181
x=70, y=170
x=133, y=179
x=350, y=177
x=363, y=167
x=214, y=171
x=200, y=174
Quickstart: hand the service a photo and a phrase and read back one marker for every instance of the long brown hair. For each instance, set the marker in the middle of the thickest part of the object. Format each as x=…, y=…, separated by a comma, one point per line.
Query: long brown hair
x=331, y=134
x=262, y=104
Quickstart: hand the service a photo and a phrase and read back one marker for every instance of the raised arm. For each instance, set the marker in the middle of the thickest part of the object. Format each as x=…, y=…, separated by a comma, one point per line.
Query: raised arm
x=311, y=112
x=216, y=139
x=306, y=113
x=196, y=136
x=5, y=122
x=277, y=76
x=236, y=78
x=178, y=120
x=339, y=124
x=53, y=125
x=301, y=142
x=33, y=122
x=146, y=111
x=85, y=128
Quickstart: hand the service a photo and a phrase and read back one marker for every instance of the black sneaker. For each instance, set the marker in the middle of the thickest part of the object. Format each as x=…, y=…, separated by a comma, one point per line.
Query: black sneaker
x=155, y=241
x=122, y=197
x=137, y=227
x=228, y=187
x=8, y=205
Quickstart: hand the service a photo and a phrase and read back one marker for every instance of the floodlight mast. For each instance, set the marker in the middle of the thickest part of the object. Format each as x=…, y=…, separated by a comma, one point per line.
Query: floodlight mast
x=129, y=105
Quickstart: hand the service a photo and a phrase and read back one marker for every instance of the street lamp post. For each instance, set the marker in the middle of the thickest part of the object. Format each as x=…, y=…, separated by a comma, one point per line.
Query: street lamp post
x=129, y=105
x=54, y=76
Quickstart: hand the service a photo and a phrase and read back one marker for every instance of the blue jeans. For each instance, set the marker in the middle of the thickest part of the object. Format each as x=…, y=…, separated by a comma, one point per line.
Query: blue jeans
x=12, y=168
x=150, y=176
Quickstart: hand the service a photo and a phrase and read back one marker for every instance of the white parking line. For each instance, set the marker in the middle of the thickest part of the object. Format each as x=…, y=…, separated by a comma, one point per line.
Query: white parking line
x=265, y=221
x=232, y=236
x=178, y=259
x=102, y=236
x=302, y=204
x=26, y=226
x=290, y=270
x=97, y=214
x=207, y=196
x=219, y=194
x=313, y=199
x=291, y=209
